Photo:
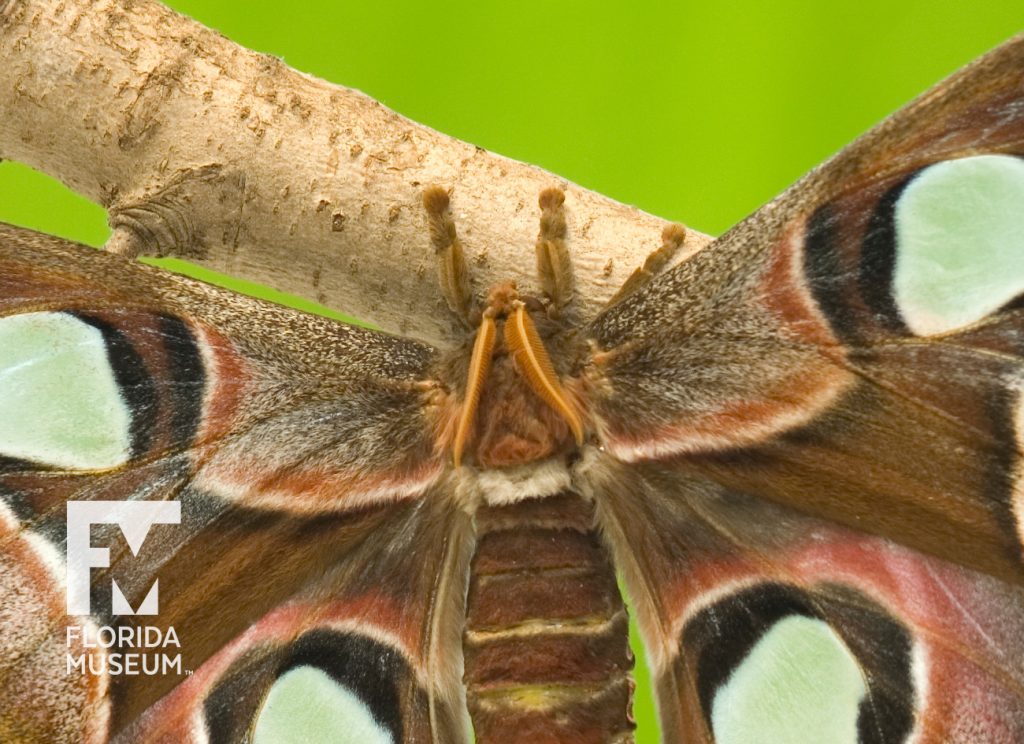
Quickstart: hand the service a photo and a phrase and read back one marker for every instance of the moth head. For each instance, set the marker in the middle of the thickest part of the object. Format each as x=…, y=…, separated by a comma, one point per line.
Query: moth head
x=510, y=405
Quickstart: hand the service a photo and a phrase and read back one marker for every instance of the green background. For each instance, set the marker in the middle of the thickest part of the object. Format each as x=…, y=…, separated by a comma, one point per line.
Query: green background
x=698, y=112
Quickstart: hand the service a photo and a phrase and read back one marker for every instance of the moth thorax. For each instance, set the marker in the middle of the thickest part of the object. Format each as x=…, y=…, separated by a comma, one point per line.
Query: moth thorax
x=514, y=408
x=513, y=425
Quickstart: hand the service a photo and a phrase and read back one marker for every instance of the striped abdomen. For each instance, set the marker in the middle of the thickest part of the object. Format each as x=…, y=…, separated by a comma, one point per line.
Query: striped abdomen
x=546, y=642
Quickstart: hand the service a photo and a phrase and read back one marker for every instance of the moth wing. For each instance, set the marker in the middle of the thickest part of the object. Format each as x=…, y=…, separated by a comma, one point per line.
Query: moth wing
x=811, y=439
x=762, y=624
x=309, y=556
x=854, y=349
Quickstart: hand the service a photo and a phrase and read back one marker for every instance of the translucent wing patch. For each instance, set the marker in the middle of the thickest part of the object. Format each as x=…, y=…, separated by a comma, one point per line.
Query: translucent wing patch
x=799, y=662
x=958, y=240
x=62, y=405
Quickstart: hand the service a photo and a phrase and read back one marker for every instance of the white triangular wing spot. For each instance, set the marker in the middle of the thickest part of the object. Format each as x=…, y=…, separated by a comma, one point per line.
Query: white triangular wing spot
x=959, y=242
x=799, y=684
x=60, y=404
x=306, y=704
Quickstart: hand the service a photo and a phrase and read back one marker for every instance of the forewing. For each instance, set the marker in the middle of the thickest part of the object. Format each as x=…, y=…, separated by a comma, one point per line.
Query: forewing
x=854, y=349
x=312, y=533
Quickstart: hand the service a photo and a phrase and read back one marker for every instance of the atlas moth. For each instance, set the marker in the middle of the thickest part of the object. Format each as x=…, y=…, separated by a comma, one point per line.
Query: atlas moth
x=800, y=449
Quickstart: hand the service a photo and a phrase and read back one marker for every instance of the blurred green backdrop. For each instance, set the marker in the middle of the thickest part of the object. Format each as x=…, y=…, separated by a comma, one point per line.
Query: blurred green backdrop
x=698, y=112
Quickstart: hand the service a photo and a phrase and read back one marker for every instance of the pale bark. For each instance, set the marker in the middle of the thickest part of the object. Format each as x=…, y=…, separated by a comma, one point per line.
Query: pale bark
x=203, y=149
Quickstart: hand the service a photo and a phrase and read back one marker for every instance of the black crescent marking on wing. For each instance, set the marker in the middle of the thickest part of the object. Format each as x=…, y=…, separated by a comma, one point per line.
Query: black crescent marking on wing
x=188, y=378
x=878, y=260
x=133, y=380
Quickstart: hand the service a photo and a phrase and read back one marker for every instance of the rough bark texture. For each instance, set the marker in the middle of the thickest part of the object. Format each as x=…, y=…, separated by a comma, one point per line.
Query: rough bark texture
x=202, y=149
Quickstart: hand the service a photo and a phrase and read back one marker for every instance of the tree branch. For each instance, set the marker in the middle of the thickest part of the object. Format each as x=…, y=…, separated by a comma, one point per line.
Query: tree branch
x=205, y=150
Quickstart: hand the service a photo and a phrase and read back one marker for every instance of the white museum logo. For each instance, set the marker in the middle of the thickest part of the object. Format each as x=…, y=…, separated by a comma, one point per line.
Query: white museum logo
x=126, y=649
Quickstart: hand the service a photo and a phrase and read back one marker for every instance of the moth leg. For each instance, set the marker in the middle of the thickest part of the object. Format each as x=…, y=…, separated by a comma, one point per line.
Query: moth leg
x=554, y=266
x=672, y=238
x=452, y=268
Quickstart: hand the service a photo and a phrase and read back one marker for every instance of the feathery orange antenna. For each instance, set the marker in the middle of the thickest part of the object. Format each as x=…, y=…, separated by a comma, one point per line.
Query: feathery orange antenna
x=525, y=345
x=479, y=364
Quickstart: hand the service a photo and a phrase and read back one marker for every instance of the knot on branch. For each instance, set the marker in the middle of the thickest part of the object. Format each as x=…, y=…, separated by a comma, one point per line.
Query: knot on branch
x=163, y=222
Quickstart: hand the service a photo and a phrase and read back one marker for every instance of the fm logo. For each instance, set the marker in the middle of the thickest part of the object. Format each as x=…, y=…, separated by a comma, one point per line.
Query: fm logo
x=134, y=518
